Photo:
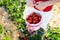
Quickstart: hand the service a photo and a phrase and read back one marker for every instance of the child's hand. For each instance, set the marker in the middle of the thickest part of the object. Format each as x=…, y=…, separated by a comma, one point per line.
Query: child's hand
x=41, y=5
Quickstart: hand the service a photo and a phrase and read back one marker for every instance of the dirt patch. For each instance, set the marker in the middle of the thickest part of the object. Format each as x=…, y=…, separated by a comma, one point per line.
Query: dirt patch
x=9, y=28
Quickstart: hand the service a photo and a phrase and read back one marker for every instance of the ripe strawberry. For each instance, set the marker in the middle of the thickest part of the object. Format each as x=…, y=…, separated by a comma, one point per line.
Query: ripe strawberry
x=30, y=21
x=34, y=22
x=40, y=0
x=29, y=18
x=36, y=8
x=34, y=18
x=25, y=38
x=37, y=21
x=43, y=0
x=48, y=8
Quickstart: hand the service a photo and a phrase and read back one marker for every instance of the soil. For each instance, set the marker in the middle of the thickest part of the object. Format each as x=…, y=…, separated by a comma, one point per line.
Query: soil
x=8, y=27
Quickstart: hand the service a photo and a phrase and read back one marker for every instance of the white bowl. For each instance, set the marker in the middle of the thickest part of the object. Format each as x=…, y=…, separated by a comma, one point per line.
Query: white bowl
x=45, y=17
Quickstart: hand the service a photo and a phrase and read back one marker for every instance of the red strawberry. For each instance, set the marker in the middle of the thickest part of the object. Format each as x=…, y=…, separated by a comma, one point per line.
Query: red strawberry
x=36, y=8
x=48, y=8
x=40, y=0
x=34, y=18
x=30, y=21
x=29, y=18
x=34, y=22
x=43, y=0
x=37, y=21
x=25, y=38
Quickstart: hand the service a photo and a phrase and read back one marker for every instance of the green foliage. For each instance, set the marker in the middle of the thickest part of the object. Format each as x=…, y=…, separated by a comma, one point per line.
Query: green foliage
x=15, y=9
x=1, y=29
x=6, y=38
x=36, y=37
x=53, y=34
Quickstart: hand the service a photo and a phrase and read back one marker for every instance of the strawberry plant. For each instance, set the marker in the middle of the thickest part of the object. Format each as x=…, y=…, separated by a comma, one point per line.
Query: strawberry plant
x=15, y=9
x=6, y=38
x=52, y=34
x=1, y=29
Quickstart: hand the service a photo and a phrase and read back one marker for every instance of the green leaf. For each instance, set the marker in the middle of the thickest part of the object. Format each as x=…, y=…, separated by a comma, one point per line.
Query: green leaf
x=1, y=29
x=6, y=38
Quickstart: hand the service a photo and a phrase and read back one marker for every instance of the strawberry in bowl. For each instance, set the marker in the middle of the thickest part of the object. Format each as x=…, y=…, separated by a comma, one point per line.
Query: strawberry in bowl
x=34, y=18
